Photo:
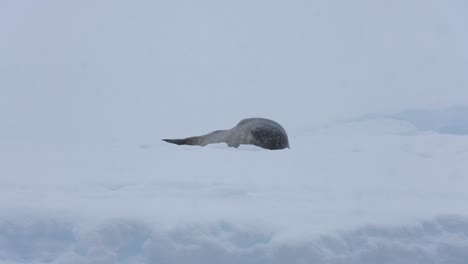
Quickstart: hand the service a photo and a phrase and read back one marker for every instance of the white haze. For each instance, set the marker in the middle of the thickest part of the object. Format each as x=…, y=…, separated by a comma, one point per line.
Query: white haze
x=74, y=70
x=89, y=88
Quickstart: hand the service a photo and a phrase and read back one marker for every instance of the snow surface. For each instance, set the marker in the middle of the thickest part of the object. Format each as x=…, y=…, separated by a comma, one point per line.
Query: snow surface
x=89, y=88
x=376, y=191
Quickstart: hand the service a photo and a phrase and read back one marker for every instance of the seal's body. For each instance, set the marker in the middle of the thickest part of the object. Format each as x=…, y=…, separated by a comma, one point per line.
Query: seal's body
x=260, y=132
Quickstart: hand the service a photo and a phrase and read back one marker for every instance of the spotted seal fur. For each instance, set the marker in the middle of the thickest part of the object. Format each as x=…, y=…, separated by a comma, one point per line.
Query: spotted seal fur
x=261, y=132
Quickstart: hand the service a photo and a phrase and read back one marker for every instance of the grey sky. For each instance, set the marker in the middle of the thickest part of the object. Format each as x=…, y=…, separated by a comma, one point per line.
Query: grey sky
x=104, y=66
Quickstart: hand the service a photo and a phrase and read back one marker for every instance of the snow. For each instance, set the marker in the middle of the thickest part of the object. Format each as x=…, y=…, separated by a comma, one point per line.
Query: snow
x=88, y=90
x=359, y=192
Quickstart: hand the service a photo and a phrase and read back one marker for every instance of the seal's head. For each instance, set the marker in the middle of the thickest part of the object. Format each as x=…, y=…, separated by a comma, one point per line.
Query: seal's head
x=270, y=138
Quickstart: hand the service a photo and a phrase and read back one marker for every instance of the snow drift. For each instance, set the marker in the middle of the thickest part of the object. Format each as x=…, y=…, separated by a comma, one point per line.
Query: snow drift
x=45, y=240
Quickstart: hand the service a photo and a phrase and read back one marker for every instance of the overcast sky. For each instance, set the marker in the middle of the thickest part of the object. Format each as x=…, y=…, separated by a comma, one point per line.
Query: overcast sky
x=137, y=68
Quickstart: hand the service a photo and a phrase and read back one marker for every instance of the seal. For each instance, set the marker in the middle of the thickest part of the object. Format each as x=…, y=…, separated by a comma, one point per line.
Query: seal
x=261, y=132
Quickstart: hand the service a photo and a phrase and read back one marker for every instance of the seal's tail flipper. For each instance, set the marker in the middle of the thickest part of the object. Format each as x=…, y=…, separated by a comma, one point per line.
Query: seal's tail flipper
x=177, y=141
x=213, y=137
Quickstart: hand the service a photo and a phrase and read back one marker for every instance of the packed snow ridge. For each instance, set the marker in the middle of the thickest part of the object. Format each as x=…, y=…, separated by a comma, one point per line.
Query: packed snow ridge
x=45, y=240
